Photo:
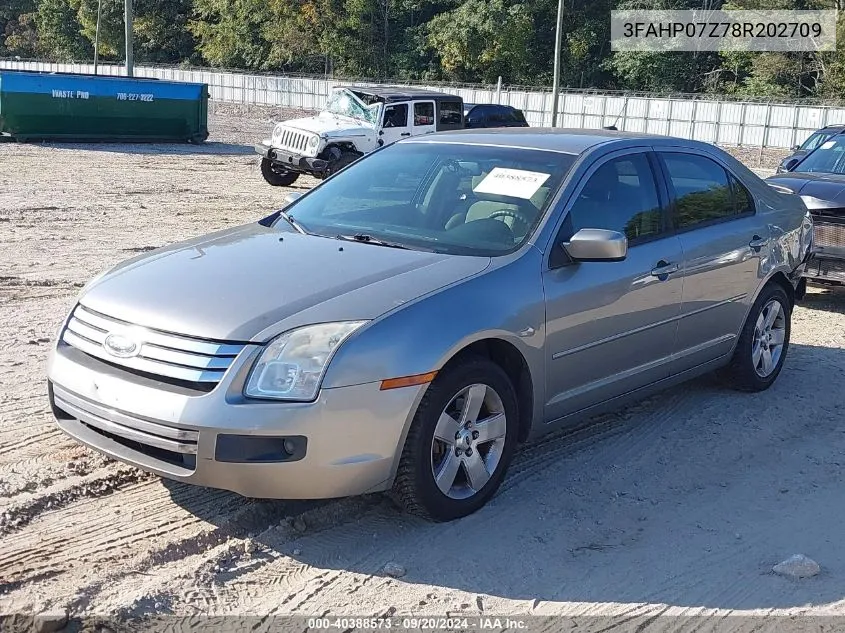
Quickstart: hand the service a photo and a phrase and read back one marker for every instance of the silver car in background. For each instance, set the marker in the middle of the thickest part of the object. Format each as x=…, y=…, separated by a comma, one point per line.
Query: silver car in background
x=407, y=322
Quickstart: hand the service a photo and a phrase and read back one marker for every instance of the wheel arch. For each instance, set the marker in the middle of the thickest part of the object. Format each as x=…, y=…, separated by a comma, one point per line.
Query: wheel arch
x=339, y=147
x=508, y=357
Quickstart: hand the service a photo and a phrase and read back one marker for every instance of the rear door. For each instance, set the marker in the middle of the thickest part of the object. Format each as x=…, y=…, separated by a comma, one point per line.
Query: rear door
x=723, y=242
x=424, y=121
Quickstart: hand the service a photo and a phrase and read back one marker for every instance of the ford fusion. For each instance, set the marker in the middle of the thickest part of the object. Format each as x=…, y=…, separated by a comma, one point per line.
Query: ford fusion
x=405, y=324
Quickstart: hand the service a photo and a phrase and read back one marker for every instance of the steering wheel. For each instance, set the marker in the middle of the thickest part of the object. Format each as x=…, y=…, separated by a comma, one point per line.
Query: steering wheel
x=519, y=217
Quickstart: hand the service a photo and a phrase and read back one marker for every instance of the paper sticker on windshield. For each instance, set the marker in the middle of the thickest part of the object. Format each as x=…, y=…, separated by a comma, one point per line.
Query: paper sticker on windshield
x=828, y=144
x=512, y=182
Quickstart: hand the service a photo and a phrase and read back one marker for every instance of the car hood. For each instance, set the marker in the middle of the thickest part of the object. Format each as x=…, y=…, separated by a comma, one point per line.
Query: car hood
x=328, y=124
x=818, y=190
x=253, y=282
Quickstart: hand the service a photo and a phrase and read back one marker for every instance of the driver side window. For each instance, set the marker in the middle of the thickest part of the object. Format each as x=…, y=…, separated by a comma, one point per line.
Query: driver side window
x=621, y=195
x=396, y=115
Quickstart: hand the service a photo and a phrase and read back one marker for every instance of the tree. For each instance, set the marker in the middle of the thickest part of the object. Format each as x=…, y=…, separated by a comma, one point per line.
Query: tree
x=229, y=33
x=59, y=32
x=17, y=28
x=112, y=32
x=161, y=31
x=483, y=39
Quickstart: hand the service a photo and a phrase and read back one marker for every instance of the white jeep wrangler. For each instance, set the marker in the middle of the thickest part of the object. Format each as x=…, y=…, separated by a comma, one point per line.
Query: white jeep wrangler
x=354, y=122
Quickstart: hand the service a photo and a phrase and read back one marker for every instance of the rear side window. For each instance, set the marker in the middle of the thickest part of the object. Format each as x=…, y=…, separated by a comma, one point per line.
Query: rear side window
x=703, y=190
x=450, y=113
x=517, y=116
x=424, y=113
x=743, y=200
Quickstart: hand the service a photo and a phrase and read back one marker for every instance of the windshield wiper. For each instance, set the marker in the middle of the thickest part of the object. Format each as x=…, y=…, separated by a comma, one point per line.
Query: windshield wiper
x=369, y=239
x=289, y=219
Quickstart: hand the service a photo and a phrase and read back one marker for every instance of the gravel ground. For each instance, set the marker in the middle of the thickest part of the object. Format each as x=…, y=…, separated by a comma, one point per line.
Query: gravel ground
x=678, y=505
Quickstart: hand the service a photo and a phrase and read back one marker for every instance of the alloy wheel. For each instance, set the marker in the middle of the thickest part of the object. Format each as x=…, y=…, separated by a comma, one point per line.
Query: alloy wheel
x=769, y=337
x=468, y=441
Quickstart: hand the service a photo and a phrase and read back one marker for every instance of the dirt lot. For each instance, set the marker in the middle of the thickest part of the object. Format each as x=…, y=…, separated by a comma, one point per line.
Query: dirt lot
x=680, y=504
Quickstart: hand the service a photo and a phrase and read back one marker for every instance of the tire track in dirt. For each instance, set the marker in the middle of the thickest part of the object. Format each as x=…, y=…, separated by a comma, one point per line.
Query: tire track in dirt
x=21, y=513
x=253, y=545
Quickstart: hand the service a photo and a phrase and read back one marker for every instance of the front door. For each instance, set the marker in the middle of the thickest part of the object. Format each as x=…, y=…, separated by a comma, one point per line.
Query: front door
x=394, y=123
x=723, y=243
x=424, y=121
x=610, y=326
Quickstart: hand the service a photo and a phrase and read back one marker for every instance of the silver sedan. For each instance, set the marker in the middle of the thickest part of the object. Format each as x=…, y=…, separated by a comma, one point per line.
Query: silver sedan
x=405, y=324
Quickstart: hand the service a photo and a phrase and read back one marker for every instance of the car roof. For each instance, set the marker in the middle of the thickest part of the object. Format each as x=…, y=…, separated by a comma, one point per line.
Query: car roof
x=400, y=93
x=491, y=105
x=569, y=141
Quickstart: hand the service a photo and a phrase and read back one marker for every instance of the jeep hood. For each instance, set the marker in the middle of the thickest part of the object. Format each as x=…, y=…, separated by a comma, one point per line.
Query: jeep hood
x=327, y=124
x=253, y=282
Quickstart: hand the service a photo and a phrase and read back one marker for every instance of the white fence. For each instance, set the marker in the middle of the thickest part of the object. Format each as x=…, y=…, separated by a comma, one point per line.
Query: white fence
x=748, y=124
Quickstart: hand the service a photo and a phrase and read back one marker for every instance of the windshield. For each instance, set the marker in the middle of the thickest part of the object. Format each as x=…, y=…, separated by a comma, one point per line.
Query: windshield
x=816, y=139
x=447, y=198
x=829, y=157
x=345, y=103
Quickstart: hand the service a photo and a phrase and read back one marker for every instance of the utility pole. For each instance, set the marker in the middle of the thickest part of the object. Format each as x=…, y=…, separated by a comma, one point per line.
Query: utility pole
x=130, y=58
x=558, y=44
x=97, y=36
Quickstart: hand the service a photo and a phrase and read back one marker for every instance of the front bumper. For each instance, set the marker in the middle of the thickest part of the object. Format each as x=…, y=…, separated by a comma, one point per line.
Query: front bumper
x=292, y=162
x=345, y=443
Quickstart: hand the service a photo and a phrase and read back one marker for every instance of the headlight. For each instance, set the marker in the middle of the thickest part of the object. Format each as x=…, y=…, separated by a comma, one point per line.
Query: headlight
x=292, y=365
x=314, y=141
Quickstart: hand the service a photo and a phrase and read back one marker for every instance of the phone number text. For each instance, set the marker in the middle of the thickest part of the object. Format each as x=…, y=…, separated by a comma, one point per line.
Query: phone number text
x=133, y=96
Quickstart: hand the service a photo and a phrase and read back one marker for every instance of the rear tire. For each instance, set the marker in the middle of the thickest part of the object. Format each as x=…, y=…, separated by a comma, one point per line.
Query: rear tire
x=763, y=342
x=468, y=459
x=277, y=176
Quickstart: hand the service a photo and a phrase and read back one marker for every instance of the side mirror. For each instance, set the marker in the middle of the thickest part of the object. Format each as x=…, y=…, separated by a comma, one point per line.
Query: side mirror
x=293, y=196
x=597, y=245
x=791, y=163
x=795, y=148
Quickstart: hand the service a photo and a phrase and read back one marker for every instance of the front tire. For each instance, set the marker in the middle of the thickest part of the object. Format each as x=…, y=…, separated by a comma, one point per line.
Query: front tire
x=763, y=342
x=460, y=443
x=344, y=160
x=277, y=176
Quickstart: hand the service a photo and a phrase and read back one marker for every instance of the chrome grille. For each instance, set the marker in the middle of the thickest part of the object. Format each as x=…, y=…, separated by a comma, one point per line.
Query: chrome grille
x=291, y=140
x=828, y=234
x=159, y=353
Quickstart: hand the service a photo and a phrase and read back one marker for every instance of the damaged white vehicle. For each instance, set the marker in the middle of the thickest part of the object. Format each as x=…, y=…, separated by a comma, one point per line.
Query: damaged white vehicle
x=354, y=122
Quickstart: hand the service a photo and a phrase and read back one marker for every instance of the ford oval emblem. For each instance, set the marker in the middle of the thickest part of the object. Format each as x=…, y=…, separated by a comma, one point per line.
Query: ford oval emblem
x=121, y=346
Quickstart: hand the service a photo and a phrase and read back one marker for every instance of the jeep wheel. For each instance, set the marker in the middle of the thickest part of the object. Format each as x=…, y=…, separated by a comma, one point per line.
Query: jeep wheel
x=344, y=160
x=277, y=176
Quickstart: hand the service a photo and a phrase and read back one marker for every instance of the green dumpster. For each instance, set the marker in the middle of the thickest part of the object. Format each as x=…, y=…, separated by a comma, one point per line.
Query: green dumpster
x=36, y=106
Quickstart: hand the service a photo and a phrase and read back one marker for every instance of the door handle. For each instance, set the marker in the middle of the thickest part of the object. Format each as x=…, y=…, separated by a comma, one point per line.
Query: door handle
x=757, y=243
x=405, y=134
x=664, y=269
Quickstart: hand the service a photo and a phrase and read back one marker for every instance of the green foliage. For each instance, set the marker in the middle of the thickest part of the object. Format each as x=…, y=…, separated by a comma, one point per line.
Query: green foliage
x=111, y=25
x=60, y=33
x=230, y=32
x=17, y=28
x=454, y=40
